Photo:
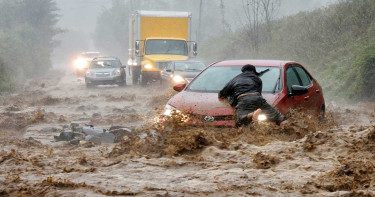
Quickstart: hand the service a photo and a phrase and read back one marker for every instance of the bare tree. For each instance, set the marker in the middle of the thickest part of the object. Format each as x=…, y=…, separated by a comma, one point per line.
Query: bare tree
x=270, y=9
x=226, y=27
x=252, y=9
x=259, y=12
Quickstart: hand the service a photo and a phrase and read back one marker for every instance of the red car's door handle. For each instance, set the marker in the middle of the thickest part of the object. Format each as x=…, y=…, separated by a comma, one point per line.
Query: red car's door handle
x=317, y=91
x=307, y=97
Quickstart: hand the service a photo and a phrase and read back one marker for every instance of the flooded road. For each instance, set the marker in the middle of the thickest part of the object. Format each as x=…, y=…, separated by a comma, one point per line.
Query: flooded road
x=332, y=158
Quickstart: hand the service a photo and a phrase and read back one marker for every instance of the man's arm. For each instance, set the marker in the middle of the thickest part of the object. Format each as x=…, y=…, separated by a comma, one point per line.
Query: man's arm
x=259, y=83
x=225, y=92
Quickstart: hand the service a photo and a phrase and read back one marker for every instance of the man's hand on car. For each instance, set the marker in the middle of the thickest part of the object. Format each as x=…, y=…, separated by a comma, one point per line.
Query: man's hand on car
x=223, y=100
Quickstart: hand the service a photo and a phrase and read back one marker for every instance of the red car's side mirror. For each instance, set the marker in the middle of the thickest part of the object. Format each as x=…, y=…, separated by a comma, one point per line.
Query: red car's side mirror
x=298, y=90
x=179, y=87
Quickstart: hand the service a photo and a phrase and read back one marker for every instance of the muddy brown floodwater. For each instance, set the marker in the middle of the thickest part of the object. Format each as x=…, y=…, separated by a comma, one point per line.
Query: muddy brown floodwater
x=335, y=157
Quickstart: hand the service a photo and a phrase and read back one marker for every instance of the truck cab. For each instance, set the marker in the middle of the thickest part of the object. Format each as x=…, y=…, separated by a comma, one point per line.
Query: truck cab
x=156, y=38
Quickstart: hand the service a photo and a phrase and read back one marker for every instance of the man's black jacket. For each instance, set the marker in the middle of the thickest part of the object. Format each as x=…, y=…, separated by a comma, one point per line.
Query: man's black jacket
x=246, y=82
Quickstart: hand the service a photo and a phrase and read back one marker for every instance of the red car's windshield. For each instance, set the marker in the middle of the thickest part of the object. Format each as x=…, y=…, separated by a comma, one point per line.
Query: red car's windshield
x=214, y=78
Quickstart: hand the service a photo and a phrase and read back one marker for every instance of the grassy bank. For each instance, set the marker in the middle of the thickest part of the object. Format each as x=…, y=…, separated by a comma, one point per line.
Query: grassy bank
x=335, y=43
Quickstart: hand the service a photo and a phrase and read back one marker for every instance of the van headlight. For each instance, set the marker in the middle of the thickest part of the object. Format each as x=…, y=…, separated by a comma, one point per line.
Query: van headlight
x=178, y=79
x=262, y=117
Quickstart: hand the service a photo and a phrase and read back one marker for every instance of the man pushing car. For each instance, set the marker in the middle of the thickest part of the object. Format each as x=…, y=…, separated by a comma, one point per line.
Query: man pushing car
x=244, y=92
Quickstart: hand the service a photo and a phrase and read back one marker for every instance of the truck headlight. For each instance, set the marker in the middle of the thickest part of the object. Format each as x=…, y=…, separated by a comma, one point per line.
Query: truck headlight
x=178, y=79
x=147, y=66
x=262, y=117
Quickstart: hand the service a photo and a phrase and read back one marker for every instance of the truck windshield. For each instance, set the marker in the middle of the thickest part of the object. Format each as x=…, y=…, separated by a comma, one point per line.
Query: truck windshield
x=174, y=47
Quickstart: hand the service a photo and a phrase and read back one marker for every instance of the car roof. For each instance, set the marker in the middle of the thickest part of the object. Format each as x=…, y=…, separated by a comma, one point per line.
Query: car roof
x=187, y=61
x=88, y=53
x=273, y=63
x=106, y=58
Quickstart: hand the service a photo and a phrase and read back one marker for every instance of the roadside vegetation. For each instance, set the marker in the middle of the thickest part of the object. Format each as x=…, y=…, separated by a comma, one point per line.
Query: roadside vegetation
x=27, y=28
x=336, y=43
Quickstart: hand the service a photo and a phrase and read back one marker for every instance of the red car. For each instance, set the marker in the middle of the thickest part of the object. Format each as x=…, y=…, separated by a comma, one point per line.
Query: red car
x=286, y=85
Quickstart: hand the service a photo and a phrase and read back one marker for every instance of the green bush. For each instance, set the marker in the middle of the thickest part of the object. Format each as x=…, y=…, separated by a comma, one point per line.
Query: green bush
x=7, y=84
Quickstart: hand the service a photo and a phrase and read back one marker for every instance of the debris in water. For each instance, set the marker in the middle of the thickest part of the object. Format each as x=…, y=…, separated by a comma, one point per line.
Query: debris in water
x=264, y=161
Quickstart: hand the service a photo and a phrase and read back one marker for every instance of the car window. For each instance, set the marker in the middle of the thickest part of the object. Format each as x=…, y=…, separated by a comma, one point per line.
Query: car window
x=305, y=78
x=189, y=66
x=215, y=78
x=291, y=78
x=179, y=66
x=105, y=64
x=270, y=80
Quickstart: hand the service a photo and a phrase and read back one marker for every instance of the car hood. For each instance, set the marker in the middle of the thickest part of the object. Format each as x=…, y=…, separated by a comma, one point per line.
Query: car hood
x=185, y=74
x=102, y=70
x=207, y=103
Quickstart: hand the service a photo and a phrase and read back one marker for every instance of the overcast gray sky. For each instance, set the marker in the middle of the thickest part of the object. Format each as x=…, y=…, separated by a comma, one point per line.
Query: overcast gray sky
x=81, y=14
x=78, y=18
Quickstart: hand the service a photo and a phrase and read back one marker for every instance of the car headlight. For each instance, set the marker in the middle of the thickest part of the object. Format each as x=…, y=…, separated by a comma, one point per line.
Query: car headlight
x=88, y=73
x=168, y=110
x=172, y=112
x=147, y=66
x=178, y=79
x=262, y=117
x=116, y=72
x=80, y=63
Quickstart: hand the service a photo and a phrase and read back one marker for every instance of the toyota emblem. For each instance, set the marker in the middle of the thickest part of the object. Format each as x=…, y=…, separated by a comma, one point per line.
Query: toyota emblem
x=209, y=118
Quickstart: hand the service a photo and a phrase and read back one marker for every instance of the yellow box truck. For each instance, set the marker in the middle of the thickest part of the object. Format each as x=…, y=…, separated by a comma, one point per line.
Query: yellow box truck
x=156, y=38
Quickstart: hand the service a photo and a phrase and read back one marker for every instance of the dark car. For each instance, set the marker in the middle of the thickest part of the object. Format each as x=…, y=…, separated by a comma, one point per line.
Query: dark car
x=286, y=85
x=105, y=70
x=181, y=71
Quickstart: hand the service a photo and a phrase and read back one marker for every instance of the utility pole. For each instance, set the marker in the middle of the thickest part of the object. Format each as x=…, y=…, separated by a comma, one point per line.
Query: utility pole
x=226, y=27
x=198, y=34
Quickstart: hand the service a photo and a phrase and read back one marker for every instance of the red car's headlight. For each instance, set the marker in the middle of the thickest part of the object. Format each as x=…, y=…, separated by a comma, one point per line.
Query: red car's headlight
x=262, y=117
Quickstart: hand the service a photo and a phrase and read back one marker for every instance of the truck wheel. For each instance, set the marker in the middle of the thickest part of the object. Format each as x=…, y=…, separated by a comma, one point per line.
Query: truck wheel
x=135, y=76
x=144, y=79
x=134, y=79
